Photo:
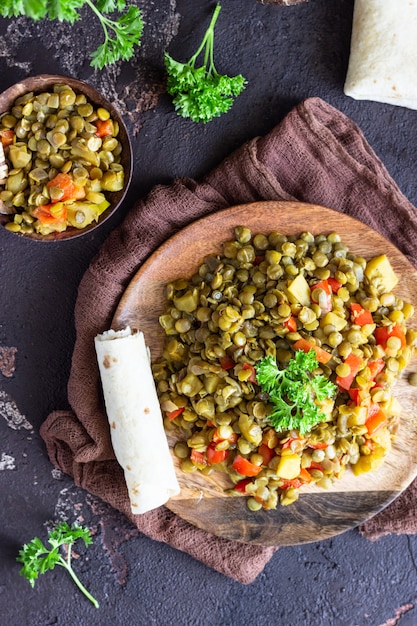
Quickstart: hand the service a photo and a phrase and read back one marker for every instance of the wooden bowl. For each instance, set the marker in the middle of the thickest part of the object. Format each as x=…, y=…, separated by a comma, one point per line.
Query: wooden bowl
x=45, y=82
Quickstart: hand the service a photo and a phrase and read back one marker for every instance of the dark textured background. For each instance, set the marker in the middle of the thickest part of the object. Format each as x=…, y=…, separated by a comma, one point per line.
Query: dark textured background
x=287, y=54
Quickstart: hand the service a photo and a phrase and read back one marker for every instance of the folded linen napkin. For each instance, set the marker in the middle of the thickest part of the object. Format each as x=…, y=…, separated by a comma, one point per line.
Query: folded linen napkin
x=383, y=54
x=315, y=155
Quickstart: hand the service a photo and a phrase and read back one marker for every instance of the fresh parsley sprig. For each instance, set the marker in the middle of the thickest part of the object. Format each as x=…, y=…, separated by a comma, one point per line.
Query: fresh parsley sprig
x=37, y=559
x=127, y=32
x=121, y=35
x=201, y=93
x=293, y=391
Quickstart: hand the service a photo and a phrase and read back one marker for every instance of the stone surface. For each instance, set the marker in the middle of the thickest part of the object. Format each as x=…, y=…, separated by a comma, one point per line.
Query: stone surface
x=287, y=54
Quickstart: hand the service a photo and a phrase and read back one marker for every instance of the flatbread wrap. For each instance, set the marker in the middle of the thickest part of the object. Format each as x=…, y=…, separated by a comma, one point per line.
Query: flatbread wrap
x=136, y=426
x=383, y=53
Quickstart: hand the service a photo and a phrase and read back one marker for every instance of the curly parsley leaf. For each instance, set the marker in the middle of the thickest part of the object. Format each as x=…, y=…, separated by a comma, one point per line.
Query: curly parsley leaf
x=37, y=559
x=293, y=391
x=120, y=36
x=201, y=93
x=64, y=11
x=108, y=6
x=121, y=33
x=35, y=9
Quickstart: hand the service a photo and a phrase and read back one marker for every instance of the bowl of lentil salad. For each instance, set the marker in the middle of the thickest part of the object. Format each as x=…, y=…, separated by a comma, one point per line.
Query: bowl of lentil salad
x=317, y=513
x=65, y=158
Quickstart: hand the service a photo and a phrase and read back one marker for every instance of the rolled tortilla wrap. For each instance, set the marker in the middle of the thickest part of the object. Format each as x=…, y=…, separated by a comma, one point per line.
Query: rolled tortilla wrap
x=383, y=52
x=135, y=419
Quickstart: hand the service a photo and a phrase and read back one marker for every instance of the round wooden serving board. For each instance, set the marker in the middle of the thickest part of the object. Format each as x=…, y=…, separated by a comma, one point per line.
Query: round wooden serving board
x=317, y=514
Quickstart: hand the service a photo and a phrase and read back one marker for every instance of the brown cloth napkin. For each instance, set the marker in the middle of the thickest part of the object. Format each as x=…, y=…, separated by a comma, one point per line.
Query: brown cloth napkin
x=315, y=155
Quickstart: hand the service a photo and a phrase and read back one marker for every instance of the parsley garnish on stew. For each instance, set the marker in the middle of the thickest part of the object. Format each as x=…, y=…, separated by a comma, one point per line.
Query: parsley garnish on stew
x=293, y=391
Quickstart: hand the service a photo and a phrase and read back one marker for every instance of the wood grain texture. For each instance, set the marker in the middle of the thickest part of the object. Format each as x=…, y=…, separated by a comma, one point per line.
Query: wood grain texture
x=317, y=514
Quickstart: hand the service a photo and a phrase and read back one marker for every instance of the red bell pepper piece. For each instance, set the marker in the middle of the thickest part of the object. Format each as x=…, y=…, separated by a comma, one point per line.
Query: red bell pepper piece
x=198, y=458
x=241, y=485
x=70, y=191
x=171, y=415
x=291, y=324
x=376, y=367
x=6, y=137
x=104, y=128
x=216, y=437
x=315, y=465
x=226, y=362
x=266, y=453
x=249, y=366
x=294, y=483
x=359, y=315
x=303, y=344
x=354, y=361
x=305, y=476
x=318, y=446
x=50, y=214
x=376, y=418
x=354, y=395
x=382, y=334
x=334, y=284
x=245, y=467
x=215, y=456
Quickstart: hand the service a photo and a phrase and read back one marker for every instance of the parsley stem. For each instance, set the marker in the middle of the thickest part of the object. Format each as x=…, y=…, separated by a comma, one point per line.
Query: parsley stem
x=104, y=21
x=207, y=41
x=67, y=565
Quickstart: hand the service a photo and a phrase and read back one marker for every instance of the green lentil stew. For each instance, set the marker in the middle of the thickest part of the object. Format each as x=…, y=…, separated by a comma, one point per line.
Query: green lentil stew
x=265, y=298
x=61, y=158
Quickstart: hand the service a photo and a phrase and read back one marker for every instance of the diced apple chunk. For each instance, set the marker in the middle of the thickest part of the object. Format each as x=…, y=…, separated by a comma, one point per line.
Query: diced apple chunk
x=299, y=291
x=289, y=465
x=333, y=320
x=379, y=272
